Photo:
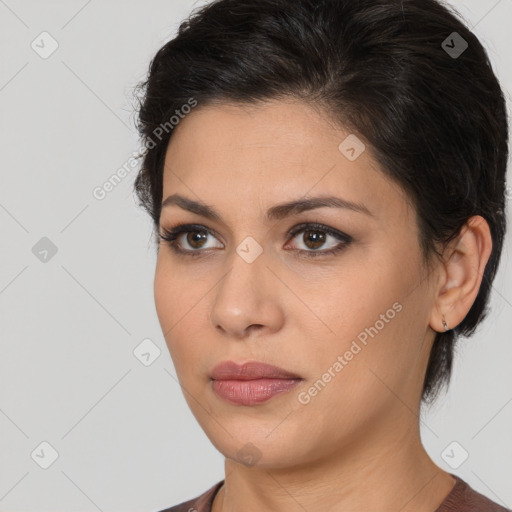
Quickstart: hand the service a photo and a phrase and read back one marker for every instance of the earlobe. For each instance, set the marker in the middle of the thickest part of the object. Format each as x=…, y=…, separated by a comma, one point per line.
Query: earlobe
x=463, y=273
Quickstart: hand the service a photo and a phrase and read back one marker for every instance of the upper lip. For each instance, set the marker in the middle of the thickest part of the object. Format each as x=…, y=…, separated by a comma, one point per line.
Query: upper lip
x=229, y=370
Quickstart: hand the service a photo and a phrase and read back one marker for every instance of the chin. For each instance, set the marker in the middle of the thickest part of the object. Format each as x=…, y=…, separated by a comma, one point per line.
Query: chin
x=252, y=446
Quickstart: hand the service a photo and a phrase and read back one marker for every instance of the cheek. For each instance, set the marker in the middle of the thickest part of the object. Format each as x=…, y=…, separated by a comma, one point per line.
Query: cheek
x=351, y=378
x=177, y=293
x=171, y=305
x=181, y=313
x=377, y=329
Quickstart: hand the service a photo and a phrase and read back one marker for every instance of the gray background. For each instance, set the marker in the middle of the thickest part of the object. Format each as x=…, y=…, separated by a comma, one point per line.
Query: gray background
x=124, y=435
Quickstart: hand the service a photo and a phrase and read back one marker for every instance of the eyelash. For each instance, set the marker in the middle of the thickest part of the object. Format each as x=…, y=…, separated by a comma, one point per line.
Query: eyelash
x=169, y=236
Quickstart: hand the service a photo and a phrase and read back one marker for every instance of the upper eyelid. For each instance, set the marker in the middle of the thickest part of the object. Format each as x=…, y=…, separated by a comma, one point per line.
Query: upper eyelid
x=302, y=226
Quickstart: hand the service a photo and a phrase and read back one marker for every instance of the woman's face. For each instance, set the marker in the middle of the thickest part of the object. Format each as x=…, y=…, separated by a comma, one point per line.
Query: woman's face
x=354, y=324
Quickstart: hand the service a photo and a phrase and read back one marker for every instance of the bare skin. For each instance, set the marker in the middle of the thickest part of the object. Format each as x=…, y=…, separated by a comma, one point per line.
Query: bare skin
x=355, y=445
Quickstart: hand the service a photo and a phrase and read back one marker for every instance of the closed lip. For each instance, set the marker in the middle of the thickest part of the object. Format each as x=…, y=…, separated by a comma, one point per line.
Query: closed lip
x=252, y=370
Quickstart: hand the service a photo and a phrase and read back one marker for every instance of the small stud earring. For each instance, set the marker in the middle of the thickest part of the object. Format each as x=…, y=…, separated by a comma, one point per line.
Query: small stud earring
x=445, y=325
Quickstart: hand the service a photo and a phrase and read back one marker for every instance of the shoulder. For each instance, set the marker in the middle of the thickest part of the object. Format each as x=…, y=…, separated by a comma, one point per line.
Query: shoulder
x=202, y=503
x=463, y=498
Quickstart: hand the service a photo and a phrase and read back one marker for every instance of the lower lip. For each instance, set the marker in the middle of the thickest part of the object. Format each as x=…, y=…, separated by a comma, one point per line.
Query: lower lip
x=252, y=392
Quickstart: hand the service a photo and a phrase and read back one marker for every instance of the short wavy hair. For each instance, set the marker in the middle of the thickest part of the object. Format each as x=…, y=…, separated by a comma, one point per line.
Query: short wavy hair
x=408, y=77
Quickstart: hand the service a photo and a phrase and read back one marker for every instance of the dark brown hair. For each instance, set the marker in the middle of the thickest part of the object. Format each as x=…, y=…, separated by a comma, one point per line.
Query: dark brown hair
x=407, y=76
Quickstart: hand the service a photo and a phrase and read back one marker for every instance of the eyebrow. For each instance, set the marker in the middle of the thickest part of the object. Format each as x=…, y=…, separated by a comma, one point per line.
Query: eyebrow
x=277, y=212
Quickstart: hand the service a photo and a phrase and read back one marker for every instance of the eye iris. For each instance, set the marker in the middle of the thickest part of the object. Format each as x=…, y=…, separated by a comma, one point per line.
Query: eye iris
x=192, y=240
x=317, y=238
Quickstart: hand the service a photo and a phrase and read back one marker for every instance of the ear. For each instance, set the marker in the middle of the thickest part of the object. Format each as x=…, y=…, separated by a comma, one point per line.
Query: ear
x=464, y=262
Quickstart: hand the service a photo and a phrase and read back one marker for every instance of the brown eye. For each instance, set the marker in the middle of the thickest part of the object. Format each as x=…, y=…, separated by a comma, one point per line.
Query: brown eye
x=314, y=239
x=189, y=239
x=196, y=238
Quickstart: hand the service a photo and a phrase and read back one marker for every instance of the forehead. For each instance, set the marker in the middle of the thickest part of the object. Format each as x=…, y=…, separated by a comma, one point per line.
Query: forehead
x=263, y=154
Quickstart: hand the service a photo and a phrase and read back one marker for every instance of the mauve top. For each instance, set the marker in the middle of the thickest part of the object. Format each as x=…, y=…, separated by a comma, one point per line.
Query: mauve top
x=462, y=498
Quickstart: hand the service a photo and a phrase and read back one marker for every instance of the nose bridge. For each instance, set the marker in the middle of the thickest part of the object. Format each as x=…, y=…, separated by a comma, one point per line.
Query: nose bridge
x=243, y=298
x=245, y=278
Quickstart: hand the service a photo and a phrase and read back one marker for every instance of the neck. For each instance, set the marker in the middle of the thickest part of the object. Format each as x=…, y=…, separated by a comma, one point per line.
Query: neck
x=385, y=471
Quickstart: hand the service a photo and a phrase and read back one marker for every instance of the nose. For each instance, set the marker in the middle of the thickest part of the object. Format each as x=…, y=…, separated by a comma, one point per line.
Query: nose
x=248, y=300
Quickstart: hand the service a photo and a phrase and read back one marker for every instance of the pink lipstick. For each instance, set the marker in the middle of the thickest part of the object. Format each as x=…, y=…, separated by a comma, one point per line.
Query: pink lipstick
x=251, y=383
